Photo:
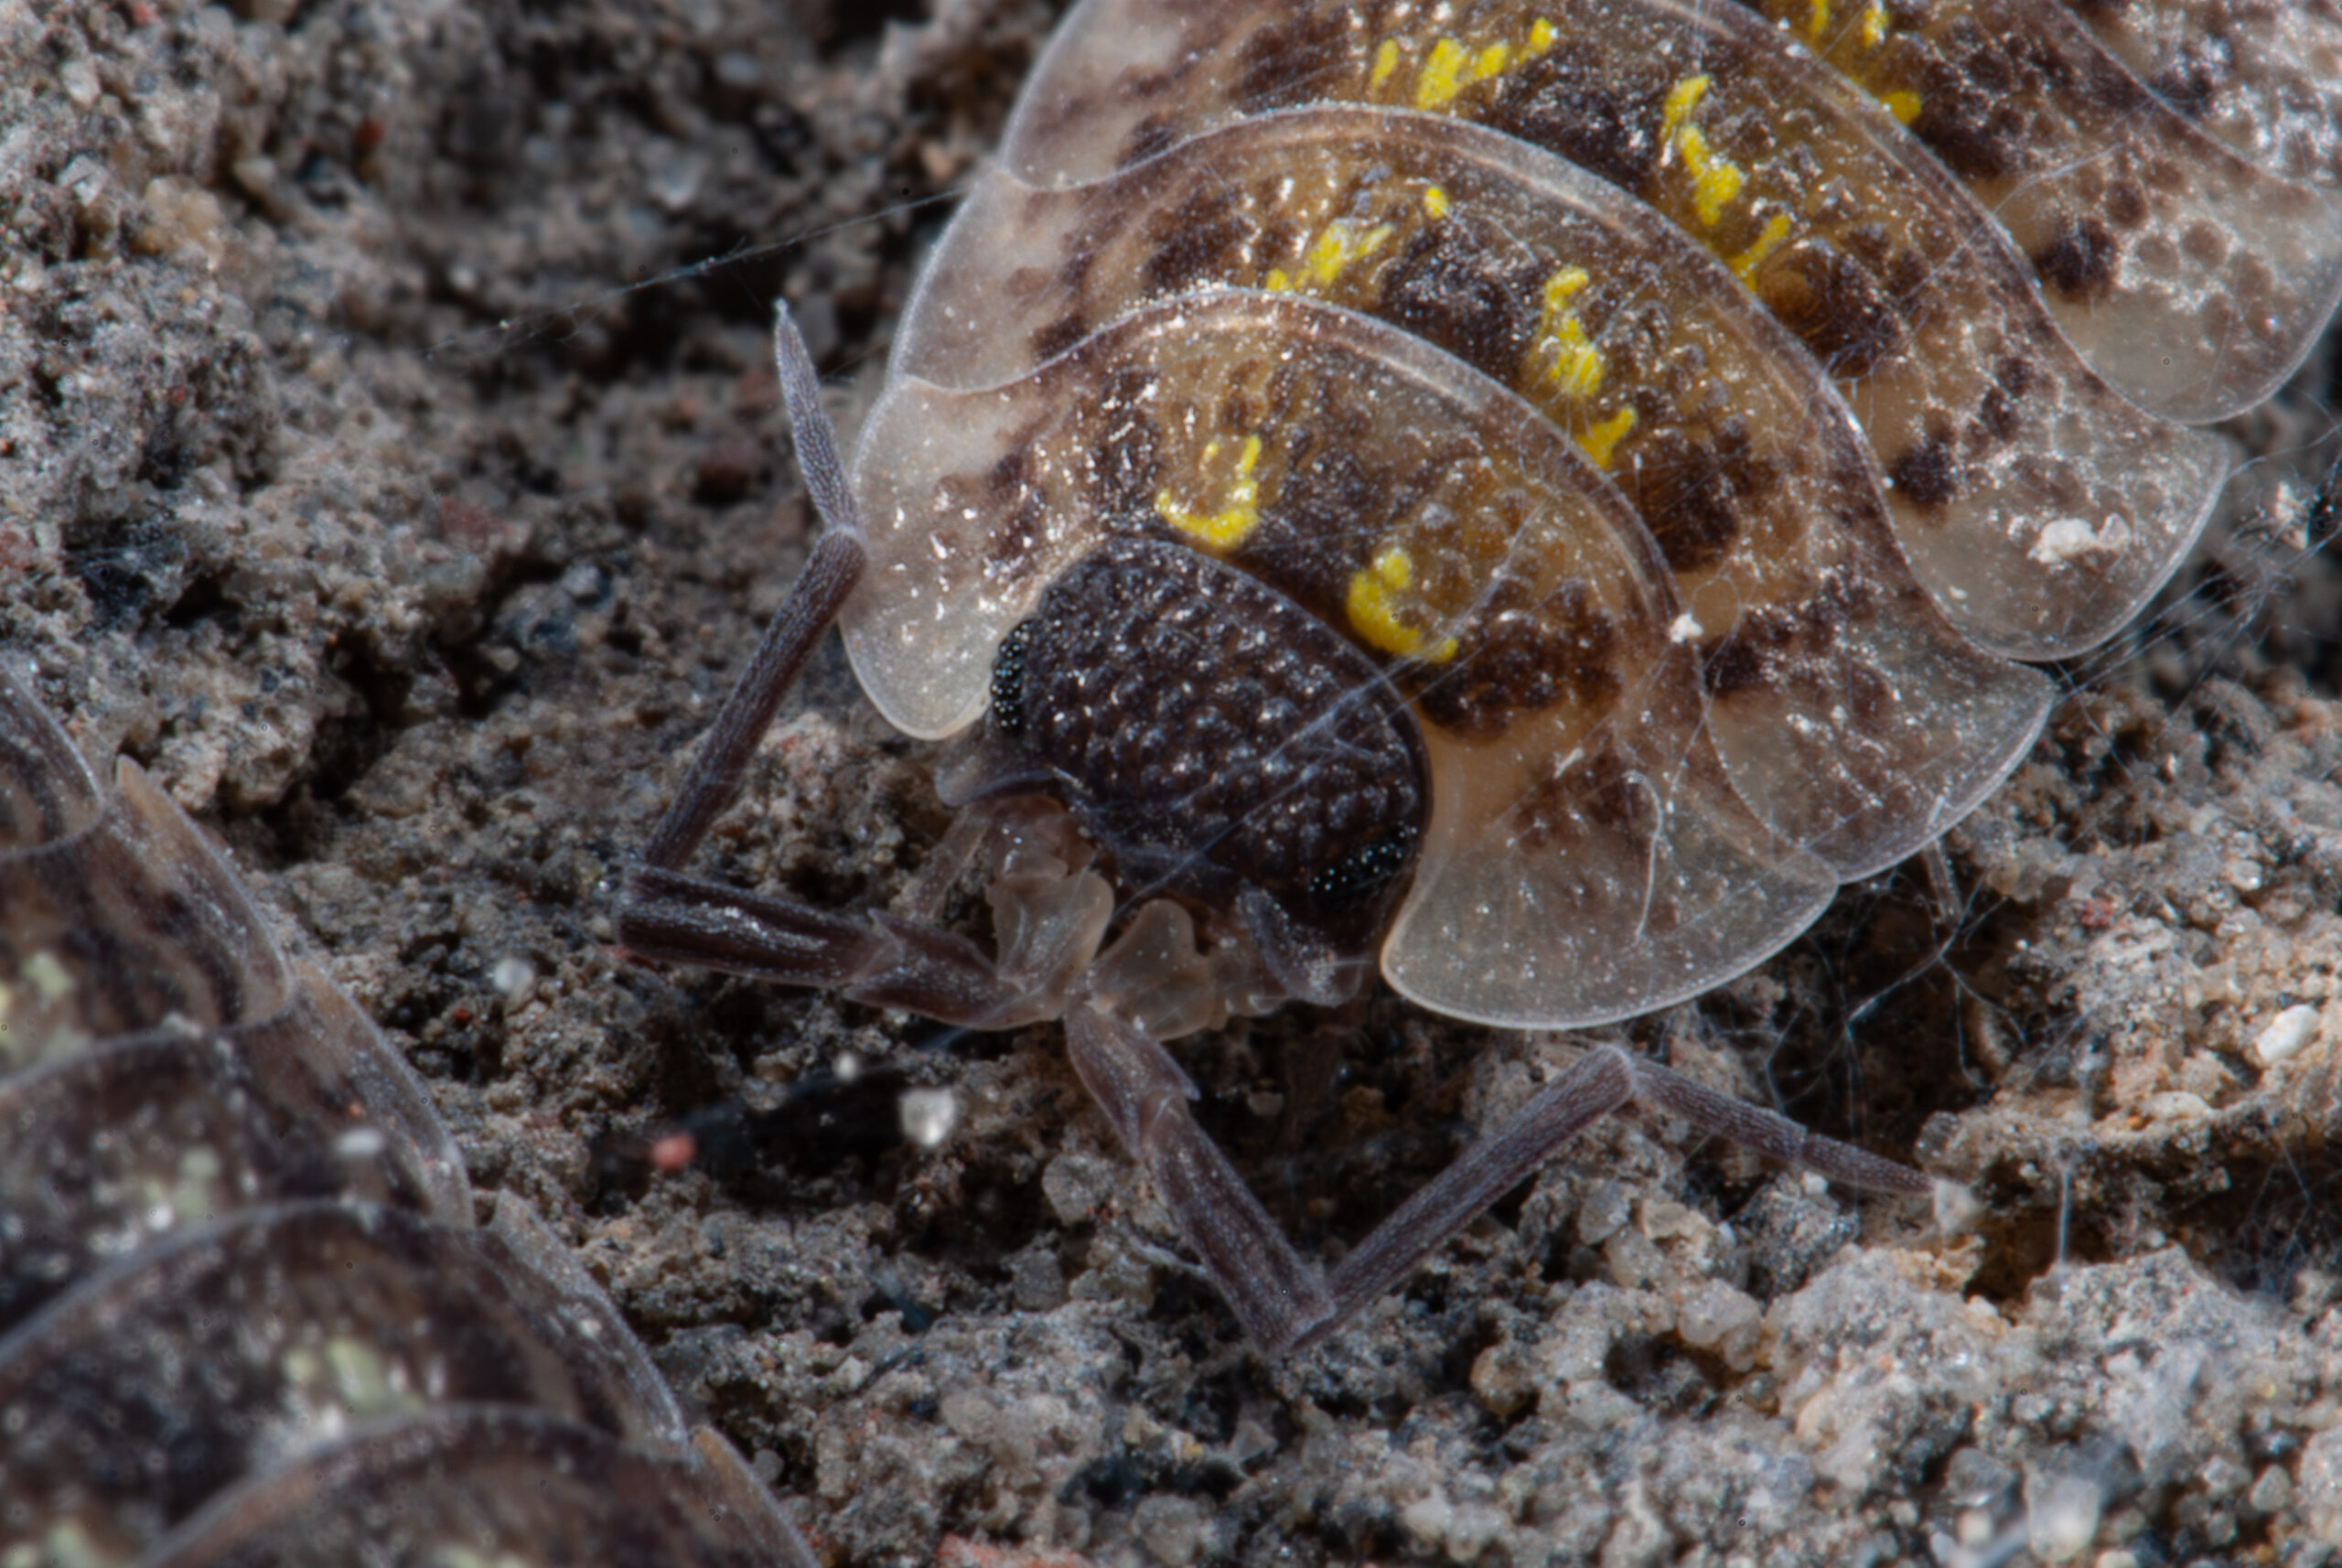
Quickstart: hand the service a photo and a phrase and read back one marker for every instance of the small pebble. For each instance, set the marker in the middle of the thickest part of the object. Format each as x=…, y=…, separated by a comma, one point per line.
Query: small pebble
x=2287, y=1033
x=515, y=980
x=929, y=1115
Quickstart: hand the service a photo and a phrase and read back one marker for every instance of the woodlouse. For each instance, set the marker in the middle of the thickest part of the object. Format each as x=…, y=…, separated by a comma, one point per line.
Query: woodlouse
x=1387, y=543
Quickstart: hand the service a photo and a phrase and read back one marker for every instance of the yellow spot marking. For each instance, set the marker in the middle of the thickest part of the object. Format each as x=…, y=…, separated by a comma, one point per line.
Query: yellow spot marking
x=1343, y=241
x=1434, y=202
x=1776, y=228
x=1386, y=62
x=1325, y=257
x=1715, y=181
x=1541, y=34
x=1873, y=26
x=1451, y=68
x=1376, y=618
x=1578, y=367
x=1904, y=106
x=1604, y=439
x=1818, y=19
x=1682, y=99
x=1277, y=282
x=1224, y=529
x=1442, y=77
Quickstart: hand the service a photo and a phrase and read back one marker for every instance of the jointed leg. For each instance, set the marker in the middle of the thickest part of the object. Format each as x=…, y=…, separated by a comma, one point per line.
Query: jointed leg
x=1281, y=1299
x=740, y=725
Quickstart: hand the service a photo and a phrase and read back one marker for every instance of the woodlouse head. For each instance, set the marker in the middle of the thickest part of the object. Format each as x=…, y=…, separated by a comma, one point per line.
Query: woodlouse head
x=1221, y=743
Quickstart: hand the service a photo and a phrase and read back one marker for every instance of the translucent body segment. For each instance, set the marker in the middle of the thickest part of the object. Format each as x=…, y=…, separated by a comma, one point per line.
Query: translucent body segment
x=244, y=1344
x=1862, y=715
x=112, y=1150
x=511, y=1488
x=2046, y=506
x=1440, y=522
x=129, y=921
x=47, y=791
x=1378, y=482
x=2264, y=76
x=2190, y=278
x=141, y=1122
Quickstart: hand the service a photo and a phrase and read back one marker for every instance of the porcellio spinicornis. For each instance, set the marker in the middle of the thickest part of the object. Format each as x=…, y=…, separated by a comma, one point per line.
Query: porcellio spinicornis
x=1528, y=499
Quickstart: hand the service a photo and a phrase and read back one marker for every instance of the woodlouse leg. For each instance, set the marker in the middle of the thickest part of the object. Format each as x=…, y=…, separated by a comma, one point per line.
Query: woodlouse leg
x=1283, y=1301
x=883, y=959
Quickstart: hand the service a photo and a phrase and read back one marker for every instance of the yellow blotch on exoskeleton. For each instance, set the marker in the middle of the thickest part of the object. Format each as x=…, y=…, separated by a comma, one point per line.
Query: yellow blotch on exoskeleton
x=1434, y=202
x=1453, y=68
x=1602, y=439
x=1227, y=527
x=1574, y=366
x=1344, y=240
x=1776, y=230
x=1374, y=613
x=1874, y=26
x=1717, y=181
x=1340, y=243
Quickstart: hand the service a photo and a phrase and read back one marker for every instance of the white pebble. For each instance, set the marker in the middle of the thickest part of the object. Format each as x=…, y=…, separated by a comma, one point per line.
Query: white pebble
x=2287, y=1033
x=929, y=1115
x=2065, y=1518
x=515, y=980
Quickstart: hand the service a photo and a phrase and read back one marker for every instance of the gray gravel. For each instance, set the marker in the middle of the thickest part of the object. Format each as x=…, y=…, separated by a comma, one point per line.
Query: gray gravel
x=364, y=475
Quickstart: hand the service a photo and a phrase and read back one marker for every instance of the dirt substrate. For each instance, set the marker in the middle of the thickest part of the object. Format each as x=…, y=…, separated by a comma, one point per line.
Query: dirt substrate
x=347, y=482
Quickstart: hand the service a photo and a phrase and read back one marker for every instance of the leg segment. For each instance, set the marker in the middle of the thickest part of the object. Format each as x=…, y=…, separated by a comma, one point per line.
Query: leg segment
x=1282, y=1301
x=740, y=725
x=882, y=961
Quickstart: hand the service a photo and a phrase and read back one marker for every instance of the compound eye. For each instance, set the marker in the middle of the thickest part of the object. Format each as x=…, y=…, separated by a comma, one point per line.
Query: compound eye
x=1365, y=872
